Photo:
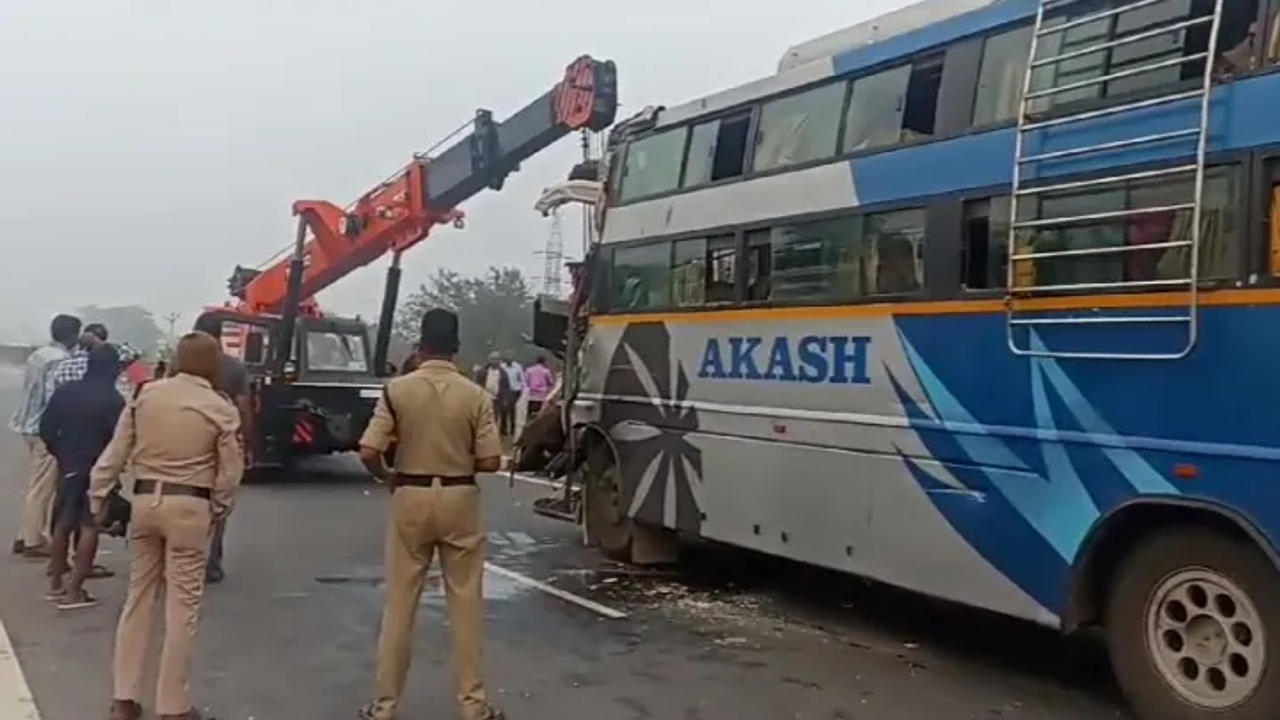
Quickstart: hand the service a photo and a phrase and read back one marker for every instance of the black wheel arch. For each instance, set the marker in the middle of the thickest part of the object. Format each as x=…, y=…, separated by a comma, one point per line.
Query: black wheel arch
x=594, y=432
x=1112, y=535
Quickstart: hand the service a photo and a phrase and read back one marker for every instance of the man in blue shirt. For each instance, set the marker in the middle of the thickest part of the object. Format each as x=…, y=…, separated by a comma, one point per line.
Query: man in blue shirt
x=33, y=529
x=76, y=427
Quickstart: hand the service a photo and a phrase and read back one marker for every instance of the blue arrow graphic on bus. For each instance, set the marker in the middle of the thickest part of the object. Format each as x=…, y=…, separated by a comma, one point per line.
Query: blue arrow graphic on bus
x=1058, y=507
x=1066, y=529
x=1137, y=471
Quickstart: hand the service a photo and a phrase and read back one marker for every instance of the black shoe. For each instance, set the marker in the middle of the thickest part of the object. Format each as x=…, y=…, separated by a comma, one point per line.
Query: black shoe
x=125, y=710
x=19, y=547
x=214, y=575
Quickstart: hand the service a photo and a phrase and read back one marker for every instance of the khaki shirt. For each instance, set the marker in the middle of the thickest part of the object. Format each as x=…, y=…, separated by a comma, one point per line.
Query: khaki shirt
x=442, y=422
x=178, y=430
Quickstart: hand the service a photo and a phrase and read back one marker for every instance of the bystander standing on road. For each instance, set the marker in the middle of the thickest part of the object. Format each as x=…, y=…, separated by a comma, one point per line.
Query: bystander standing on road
x=496, y=381
x=232, y=381
x=519, y=407
x=183, y=439
x=76, y=427
x=33, y=530
x=445, y=433
x=538, y=380
x=73, y=367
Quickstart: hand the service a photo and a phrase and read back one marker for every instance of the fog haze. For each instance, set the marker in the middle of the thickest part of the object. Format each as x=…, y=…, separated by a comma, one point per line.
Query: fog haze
x=146, y=148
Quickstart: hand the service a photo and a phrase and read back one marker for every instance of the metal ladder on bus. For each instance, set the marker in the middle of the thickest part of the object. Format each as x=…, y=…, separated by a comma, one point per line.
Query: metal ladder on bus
x=1027, y=322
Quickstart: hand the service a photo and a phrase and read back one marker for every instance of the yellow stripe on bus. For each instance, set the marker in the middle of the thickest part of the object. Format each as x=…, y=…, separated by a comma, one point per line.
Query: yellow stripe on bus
x=1208, y=298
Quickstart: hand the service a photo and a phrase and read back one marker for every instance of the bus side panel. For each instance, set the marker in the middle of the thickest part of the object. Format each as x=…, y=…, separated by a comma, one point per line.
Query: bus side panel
x=862, y=513
x=1098, y=434
x=918, y=450
x=800, y=456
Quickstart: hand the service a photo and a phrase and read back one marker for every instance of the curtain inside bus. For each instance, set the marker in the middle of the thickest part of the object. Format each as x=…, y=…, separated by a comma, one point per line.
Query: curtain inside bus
x=1275, y=229
x=1220, y=251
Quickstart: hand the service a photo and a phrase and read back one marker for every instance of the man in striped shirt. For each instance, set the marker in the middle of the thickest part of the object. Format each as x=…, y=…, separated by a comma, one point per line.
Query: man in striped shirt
x=33, y=533
x=73, y=368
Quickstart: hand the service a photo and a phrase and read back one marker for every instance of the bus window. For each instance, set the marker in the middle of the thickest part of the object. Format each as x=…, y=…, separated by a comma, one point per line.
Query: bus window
x=731, y=147
x=894, y=252
x=1238, y=40
x=722, y=269
x=799, y=128
x=985, y=253
x=640, y=277
x=652, y=165
x=1000, y=77
x=1220, y=250
x=759, y=266
x=688, y=273
x=1242, y=39
x=920, y=112
x=704, y=271
x=601, y=265
x=1127, y=56
x=895, y=105
x=1219, y=233
x=1155, y=49
x=817, y=260
x=717, y=150
x=1074, y=270
x=701, y=154
x=1075, y=69
x=876, y=109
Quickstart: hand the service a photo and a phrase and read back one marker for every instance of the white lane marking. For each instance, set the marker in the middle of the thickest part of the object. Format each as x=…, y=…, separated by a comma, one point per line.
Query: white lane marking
x=534, y=480
x=557, y=592
x=16, y=701
x=497, y=538
x=521, y=538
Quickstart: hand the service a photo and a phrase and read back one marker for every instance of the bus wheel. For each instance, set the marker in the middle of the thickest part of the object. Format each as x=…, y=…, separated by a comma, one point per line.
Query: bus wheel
x=606, y=523
x=1192, y=616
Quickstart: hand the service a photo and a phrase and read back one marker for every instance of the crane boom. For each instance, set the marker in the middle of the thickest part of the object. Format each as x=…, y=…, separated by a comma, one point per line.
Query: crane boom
x=400, y=212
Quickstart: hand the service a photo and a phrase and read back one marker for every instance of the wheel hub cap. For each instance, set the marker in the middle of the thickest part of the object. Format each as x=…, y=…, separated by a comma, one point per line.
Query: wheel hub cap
x=1206, y=638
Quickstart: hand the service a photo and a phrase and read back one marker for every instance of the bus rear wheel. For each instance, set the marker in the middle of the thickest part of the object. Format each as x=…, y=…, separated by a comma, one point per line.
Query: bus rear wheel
x=1192, y=619
x=606, y=523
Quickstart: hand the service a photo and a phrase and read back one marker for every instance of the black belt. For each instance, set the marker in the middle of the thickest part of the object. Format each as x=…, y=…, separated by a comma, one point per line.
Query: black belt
x=146, y=487
x=430, y=480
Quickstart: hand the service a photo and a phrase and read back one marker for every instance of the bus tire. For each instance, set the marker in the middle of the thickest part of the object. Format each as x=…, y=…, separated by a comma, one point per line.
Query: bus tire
x=1190, y=621
x=604, y=519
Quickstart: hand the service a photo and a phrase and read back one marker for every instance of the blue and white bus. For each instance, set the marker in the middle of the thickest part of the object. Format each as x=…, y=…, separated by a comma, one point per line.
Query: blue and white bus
x=979, y=299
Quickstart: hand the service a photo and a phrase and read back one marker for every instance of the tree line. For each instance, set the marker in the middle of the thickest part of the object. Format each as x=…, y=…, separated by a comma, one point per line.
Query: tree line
x=495, y=312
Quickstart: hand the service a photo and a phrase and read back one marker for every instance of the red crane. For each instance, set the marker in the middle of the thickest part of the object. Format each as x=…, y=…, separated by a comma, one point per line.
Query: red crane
x=392, y=217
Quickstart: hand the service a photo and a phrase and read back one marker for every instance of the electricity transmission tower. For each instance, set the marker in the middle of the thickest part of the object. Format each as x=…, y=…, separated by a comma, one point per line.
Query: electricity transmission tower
x=553, y=257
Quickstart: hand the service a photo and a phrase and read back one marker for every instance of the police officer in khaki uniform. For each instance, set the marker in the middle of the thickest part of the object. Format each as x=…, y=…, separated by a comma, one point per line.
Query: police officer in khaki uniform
x=182, y=438
x=443, y=427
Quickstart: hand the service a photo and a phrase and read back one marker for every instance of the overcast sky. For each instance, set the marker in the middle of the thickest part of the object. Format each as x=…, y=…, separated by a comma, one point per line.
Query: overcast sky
x=146, y=148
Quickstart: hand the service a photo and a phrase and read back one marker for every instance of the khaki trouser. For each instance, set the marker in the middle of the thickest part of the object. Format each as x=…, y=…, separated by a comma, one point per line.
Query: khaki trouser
x=37, y=504
x=424, y=520
x=170, y=537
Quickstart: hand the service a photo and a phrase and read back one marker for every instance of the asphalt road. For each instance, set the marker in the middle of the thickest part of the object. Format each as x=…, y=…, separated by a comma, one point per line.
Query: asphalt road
x=727, y=634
